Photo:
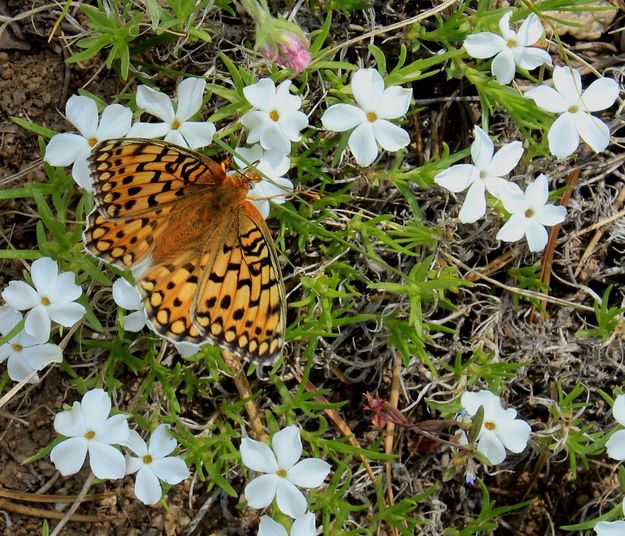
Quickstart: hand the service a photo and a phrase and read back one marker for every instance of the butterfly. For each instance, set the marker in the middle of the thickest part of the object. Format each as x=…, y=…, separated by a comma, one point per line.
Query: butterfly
x=205, y=263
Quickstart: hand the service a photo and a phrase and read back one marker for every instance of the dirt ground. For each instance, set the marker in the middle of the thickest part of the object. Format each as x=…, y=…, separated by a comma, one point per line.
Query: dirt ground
x=35, y=82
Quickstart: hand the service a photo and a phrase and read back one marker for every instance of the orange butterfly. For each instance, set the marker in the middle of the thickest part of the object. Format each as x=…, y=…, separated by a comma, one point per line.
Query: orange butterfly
x=204, y=259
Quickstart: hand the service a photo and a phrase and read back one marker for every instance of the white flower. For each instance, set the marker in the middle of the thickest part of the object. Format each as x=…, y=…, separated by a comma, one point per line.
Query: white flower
x=90, y=429
x=274, y=165
x=611, y=528
x=51, y=299
x=283, y=472
x=485, y=174
x=276, y=120
x=302, y=526
x=176, y=126
x=186, y=349
x=67, y=148
x=370, y=118
x=154, y=464
x=530, y=214
x=616, y=444
x=127, y=297
x=24, y=353
x=513, y=48
x=575, y=106
x=500, y=427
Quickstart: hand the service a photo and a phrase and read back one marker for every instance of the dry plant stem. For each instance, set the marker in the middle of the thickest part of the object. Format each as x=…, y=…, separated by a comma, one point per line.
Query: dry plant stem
x=72, y=509
x=545, y=267
x=390, y=430
x=49, y=514
x=496, y=264
x=338, y=422
x=599, y=233
x=42, y=498
x=245, y=393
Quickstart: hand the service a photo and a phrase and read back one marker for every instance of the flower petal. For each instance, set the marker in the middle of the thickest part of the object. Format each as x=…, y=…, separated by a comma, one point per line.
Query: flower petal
x=395, y=102
x=261, y=491
x=610, y=528
x=616, y=445
x=70, y=422
x=44, y=272
x=155, y=103
x=368, y=89
x=474, y=206
x=290, y=500
x=537, y=191
x=457, y=178
x=9, y=318
x=550, y=215
x=484, y=45
x=600, y=95
x=18, y=369
x=66, y=314
x=504, y=26
x=309, y=473
x=391, y=137
x=287, y=446
x=149, y=130
x=269, y=527
x=514, y=229
x=472, y=401
x=284, y=100
x=126, y=295
x=136, y=444
x=341, y=117
x=20, y=295
x=161, y=442
x=69, y=455
x=63, y=149
x=363, y=145
x=65, y=288
x=258, y=456
x=81, y=172
x=503, y=66
x=491, y=447
x=292, y=123
x=514, y=434
x=273, y=138
x=257, y=123
x=189, y=97
x=133, y=464
x=530, y=31
x=261, y=95
x=135, y=322
x=505, y=160
x=115, y=122
x=592, y=130
x=536, y=235
x=147, y=487
x=563, y=136
x=38, y=323
x=529, y=58
x=568, y=83
x=171, y=469
x=197, y=134
x=482, y=148
x=106, y=461
x=40, y=356
x=174, y=136
x=114, y=431
x=96, y=406
x=304, y=525
x=618, y=409
x=82, y=112
x=548, y=99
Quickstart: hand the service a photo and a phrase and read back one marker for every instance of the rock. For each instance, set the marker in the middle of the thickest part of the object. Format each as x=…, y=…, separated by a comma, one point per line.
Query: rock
x=593, y=23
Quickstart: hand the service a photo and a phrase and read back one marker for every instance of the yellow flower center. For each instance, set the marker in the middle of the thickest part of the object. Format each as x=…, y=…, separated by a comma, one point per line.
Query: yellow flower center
x=175, y=124
x=45, y=300
x=17, y=347
x=92, y=141
x=90, y=435
x=147, y=459
x=489, y=425
x=511, y=43
x=281, y=473
x=371, y=116
x=529, y=213
x=274, y=115
x=573, y=109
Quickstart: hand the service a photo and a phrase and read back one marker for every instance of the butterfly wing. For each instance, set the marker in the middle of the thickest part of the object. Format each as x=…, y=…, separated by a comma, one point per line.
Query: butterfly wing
x=234, y=295
x=137, y=184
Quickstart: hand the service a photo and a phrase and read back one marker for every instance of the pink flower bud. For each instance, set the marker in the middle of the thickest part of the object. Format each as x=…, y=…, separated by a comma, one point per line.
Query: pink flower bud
x=294, y=54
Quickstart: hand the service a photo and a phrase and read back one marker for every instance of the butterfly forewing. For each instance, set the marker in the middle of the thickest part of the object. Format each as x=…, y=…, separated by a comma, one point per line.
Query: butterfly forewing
x=213, y=272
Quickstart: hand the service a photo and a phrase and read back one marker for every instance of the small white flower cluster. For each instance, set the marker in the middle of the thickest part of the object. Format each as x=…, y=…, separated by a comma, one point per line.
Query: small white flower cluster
x=283, y=472
x=89, y=428
x=513, y=49
x=50, y=299
x=529, y=212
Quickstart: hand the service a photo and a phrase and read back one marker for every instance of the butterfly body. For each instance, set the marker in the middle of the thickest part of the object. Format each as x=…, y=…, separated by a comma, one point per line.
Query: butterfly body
x=208, y=268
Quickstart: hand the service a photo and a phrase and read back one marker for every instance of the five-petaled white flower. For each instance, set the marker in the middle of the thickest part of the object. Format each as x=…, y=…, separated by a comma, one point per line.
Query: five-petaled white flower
x=616, y=444
x=274, y=165
x=514, y=48
x=127, y=297
x=51, y=299
x=176, y=126
x=154, y=464
x=25, y=353
x=282, y=471
x=90, y=429
x=485, y=174
x=530, y=214
x=370, y=119
x=611, y=528
x=68, y=148
x=302, y=526
x=276, y=120
x=500, y=427
x=575, y=106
